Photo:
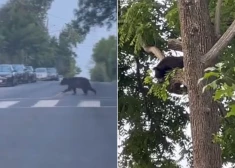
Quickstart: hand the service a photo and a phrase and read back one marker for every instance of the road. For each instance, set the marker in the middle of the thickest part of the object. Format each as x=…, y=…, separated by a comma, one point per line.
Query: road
x=42, y=128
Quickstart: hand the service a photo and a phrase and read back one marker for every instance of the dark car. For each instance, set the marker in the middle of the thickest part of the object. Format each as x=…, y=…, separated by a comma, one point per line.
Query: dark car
x=52, y=74
x=32, y=74
x=8, y=76
x=22, y=71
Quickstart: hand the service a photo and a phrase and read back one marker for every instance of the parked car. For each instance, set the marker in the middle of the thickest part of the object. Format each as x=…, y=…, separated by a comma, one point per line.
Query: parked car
x=41, y=73
x=52, y=74
x=32, y=74
x=8, y=76
x=22, y=71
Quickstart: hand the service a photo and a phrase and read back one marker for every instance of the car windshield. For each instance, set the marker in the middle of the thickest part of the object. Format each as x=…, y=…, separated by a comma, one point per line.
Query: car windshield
x=40, y=70
x=5, y=68
x=53, y=70
x=29, y=68
x=18, y=67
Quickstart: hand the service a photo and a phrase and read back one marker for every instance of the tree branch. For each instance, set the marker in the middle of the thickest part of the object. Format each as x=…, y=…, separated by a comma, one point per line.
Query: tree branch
x=175, y=44
x=217, y=18
x=141, y=88
x=154, y=50
x=214, y=52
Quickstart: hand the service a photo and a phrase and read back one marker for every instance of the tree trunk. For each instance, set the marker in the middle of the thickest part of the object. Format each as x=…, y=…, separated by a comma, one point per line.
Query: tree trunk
x=197, y=38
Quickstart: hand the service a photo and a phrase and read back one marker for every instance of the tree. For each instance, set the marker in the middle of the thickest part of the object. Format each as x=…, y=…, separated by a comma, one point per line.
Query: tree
x=203, y=110
x=25, y=38
x=78, y=70
x=22, y=35
x=104, y=57
x=99, y=73
x=65, y=56
x=93, y=13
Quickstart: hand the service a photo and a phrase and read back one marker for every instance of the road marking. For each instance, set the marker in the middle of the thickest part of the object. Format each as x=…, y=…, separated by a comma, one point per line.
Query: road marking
x=103, y=107
x=89, y=103
x=6, y=104
x=46, y=103
x=57, y=96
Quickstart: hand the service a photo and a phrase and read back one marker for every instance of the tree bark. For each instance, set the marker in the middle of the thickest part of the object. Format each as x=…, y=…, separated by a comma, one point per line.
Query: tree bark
x=217, y=18
x=197, y=39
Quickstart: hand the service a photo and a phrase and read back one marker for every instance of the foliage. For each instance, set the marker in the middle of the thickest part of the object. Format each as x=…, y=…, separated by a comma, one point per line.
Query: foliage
x=227, y=12
x=25, y=39
x=155, y=125
x=140, y=25
x=160, y=89
x=223, y=86
x=78, y=70
x=91, y=13
x=105, y=59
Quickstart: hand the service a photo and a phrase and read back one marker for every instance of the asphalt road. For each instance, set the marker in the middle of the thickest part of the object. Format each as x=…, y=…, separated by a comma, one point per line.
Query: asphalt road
x=42, y=128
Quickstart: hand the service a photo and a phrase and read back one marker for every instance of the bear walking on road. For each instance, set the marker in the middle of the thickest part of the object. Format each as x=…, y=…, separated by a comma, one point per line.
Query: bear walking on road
x=77, y=82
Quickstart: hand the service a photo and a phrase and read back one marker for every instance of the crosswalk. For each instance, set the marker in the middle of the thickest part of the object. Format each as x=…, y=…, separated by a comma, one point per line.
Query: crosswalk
x=30, y=103
x=6, y=104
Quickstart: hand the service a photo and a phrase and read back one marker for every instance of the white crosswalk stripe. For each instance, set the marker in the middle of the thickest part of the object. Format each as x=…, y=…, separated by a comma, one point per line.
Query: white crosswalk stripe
x=57, y=103
x=89, y=103
x=46, y=103
x=6, y=104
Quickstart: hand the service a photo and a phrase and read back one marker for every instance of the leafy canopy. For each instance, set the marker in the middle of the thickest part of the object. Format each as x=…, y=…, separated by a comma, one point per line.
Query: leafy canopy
x=24, y=38
x=105, y=59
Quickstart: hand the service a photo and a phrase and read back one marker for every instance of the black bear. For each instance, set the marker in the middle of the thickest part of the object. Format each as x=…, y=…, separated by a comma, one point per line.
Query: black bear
x=167, y=64
x=77, y=82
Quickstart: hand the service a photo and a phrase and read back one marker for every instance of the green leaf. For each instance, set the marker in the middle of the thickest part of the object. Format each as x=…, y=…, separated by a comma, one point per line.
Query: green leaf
x=231, y=112
x=219, y=94
x=211, y=74
x=147, y=80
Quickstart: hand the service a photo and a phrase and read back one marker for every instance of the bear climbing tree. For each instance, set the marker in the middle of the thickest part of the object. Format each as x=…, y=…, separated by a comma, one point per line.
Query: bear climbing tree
x=166, y=65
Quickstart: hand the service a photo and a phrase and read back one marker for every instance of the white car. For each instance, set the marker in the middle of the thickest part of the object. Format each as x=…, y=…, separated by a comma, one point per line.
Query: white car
x=41, y=73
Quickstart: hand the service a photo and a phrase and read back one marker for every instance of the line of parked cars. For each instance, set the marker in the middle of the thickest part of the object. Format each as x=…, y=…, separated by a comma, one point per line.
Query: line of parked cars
x=14, y=74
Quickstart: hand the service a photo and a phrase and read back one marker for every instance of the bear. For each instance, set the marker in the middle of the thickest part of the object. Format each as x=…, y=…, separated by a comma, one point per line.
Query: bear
x=167, y=64
x=77, y=82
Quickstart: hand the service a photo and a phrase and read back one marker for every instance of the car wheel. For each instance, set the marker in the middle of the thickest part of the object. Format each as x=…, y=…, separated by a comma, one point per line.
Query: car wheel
x=12, y=84
x=15, y=82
